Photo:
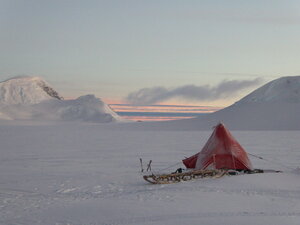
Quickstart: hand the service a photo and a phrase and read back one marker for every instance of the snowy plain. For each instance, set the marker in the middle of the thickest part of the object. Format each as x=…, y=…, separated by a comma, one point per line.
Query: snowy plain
x=88, y=174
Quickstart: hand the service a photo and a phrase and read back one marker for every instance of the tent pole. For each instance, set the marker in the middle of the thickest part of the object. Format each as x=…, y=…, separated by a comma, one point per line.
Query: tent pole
x=233, y=162
x=214, y=158
x=141, y=161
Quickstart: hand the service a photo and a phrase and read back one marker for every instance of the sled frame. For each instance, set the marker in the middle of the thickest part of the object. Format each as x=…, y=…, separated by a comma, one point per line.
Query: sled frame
x=186, y=176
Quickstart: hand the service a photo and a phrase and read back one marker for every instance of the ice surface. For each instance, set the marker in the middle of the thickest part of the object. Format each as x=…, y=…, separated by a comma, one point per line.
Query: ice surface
x=79, y=174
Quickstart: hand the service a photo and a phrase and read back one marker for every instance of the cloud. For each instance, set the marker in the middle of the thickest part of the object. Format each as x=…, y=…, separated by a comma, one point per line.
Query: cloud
x=225, y=89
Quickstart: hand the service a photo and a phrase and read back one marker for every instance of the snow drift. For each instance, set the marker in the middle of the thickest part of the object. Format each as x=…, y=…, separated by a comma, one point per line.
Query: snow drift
x=32, y=98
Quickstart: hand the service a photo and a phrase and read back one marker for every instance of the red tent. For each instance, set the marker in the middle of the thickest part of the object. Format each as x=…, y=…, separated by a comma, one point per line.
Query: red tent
x=221, y=151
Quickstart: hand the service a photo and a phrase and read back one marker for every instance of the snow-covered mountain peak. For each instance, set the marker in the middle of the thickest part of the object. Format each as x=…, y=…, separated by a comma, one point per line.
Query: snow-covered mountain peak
x=26, y=90
x=32, y=98
x=284, y=89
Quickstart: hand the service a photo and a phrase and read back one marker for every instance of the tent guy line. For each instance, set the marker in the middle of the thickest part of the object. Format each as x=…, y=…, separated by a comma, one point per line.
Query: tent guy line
x=221, y=155
x=213, y=163
x=272, y=161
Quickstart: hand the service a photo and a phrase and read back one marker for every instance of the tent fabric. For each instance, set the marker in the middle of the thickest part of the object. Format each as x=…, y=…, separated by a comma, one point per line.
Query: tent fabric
x=222, y=151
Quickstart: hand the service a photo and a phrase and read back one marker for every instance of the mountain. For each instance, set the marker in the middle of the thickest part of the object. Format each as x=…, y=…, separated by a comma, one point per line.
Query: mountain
x=86, y=108
x=284, y=89
x=32, y=98
x=26, y=90
x=274, y=106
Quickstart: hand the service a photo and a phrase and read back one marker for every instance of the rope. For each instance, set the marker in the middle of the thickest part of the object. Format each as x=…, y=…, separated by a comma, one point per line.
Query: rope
x=169, y=167
x=256, y=156
x=149, y=166
x=278, y=163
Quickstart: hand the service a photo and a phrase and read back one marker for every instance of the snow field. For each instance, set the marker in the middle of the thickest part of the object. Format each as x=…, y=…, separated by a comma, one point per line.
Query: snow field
x=81, y=174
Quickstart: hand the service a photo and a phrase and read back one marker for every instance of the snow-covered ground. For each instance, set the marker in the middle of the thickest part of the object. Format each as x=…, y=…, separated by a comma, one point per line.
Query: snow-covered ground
x=88, y=174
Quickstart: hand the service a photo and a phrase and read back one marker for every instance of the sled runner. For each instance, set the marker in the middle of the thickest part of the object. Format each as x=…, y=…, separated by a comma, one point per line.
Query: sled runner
x=178, y=177
x=221, y=155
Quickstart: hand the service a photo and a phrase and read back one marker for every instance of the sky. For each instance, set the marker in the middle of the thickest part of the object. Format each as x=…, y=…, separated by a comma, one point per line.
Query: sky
x=159, y=51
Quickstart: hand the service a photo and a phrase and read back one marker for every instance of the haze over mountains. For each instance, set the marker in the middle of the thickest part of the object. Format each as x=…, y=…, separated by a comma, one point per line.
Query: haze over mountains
x=32, y=98
x=274, y=106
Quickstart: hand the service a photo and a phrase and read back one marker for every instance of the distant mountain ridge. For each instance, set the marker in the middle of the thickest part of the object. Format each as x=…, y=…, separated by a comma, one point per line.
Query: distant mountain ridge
x=32, y=98
x=26, y=90
x=274, y=106
x=284, y=89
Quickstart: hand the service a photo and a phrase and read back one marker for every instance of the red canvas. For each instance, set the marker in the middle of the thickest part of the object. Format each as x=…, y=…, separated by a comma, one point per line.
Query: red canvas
x=221, y=151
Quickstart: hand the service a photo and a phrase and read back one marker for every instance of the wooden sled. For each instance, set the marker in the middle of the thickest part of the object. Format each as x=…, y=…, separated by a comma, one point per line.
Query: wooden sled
x=178, y=177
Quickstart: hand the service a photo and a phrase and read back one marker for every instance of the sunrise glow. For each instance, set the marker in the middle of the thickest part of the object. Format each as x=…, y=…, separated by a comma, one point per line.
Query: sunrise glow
x=161, y=112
